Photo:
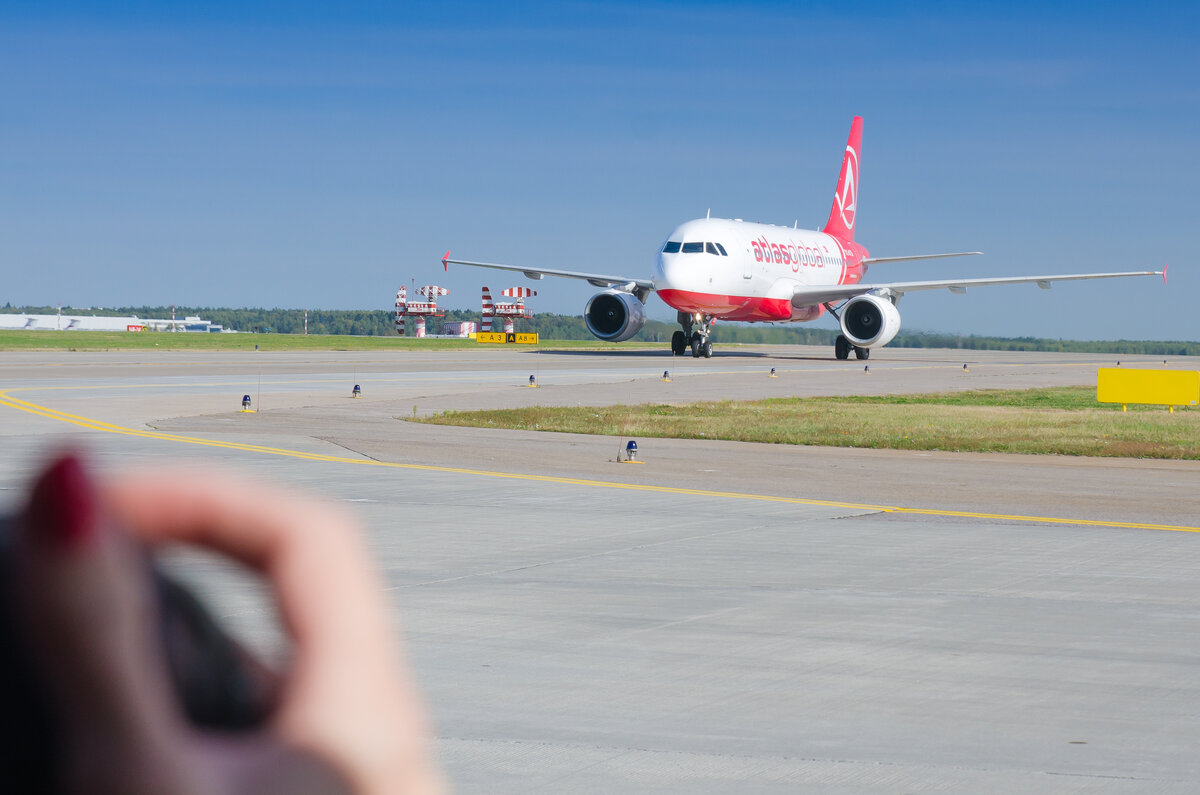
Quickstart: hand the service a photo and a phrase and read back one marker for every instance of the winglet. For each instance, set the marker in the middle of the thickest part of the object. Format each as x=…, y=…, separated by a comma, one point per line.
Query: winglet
x=1167, y=265
x=446, y=265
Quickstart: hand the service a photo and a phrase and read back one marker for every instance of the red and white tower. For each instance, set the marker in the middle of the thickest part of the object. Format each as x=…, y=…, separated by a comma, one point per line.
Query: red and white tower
x=419, y=310
x=401, y=309
x=505, y=311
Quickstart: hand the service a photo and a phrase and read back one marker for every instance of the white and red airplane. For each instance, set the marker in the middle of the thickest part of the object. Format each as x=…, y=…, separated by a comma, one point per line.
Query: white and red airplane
x=727, y=269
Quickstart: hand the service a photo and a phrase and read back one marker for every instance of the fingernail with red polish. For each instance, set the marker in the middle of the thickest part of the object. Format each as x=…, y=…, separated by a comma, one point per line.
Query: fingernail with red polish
x=62, y=508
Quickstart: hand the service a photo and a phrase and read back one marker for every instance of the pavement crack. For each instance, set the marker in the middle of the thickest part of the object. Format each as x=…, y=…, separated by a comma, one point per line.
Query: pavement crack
x=569, y=559
x=336, y=443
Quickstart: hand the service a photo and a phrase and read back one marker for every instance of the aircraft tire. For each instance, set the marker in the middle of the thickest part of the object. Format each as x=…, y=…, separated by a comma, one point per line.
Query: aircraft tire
x=841, y=347
x=678, y=343
x=862, y=353
x=706, y=349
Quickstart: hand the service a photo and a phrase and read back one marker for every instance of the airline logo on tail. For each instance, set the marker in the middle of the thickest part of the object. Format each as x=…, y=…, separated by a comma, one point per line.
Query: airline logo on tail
x=844, y=211
x=848, y=198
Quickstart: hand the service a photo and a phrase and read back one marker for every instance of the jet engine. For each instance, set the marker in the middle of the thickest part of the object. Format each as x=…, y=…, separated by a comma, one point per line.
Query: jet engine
x=869, y=321
x=614, y=316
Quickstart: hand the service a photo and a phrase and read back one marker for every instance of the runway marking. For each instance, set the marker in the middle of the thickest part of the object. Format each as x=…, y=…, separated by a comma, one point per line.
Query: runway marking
x=273, y=382
x=107, y=427
x=828, y=367
x=420, y=377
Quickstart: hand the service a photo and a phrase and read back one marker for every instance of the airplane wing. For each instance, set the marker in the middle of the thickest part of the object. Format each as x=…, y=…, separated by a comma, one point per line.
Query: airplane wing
x=913, y=257
x=595, y=279
x=804, y=296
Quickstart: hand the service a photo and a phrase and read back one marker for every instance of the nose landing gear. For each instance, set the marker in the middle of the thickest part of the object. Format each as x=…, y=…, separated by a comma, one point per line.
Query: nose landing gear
x=679, y=343
x=695, y=335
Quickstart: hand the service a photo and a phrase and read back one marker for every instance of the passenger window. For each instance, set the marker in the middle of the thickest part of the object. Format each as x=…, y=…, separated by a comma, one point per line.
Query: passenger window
x=722, y=250
x=693, y=248
x=672, y=247
x=711, y=249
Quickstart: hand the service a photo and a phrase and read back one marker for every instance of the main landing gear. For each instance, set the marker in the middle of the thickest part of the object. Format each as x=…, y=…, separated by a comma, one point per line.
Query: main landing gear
x=842, y=348
x=695, y=335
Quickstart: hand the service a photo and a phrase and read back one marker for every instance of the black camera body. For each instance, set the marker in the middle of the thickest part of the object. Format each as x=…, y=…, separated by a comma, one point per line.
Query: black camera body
x=220, y=686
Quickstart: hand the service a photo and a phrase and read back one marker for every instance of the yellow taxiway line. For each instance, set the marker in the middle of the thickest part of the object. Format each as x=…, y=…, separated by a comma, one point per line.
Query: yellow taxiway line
x=107, y=427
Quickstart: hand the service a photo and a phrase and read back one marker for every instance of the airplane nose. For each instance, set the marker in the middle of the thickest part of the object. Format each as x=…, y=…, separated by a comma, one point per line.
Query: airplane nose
x=669, y=270
x=660, y=269
x=682, y=272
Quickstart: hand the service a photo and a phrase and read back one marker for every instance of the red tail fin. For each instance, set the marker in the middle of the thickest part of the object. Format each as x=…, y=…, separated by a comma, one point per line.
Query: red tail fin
x=845, y=200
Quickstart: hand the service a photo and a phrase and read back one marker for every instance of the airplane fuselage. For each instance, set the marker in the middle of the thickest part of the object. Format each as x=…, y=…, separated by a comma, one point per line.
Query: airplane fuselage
x=736, y=270
x=726, y=269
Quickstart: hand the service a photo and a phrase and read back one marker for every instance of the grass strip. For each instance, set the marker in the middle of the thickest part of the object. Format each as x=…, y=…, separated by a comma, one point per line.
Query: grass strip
x=76, y=340
x=1055, y=421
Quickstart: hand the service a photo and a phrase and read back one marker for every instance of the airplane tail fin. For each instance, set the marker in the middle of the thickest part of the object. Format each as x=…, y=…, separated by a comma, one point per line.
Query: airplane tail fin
x=845, y=199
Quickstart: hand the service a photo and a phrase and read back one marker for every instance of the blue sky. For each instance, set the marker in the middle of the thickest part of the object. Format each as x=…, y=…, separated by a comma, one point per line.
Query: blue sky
x=308, y=155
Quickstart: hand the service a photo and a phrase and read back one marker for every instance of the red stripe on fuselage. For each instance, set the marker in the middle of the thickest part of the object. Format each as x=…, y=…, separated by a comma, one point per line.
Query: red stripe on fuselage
x=728, y=307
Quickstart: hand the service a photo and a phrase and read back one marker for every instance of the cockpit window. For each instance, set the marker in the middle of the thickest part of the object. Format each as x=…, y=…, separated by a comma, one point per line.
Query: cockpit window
x=693, y=248
x=672, y=247
x=711, y=249
x=722, y=250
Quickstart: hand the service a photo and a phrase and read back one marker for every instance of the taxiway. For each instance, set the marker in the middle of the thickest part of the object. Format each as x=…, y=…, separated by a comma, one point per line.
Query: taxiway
x=726, y=616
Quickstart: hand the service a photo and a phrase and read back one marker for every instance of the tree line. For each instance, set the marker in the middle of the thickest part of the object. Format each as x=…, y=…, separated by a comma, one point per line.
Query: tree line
x=378, y=322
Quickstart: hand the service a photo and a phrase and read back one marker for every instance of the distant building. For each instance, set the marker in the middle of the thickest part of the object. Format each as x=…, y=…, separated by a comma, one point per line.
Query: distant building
x=77, y=322
x=464, y=329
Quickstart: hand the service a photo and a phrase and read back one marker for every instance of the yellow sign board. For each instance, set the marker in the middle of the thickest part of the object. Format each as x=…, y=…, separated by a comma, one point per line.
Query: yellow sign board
x=500, y=337
x=1156, y=387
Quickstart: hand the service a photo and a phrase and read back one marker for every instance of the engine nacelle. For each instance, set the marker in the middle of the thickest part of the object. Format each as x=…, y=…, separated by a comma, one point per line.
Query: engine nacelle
x=869, y=321
x=614, y=316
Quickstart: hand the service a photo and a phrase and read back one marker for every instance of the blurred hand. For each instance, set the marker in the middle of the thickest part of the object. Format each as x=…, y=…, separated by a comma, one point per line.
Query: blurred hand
x=348, y=716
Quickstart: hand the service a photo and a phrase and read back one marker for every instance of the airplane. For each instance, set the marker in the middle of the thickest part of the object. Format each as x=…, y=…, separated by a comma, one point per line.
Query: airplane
x=713, y=269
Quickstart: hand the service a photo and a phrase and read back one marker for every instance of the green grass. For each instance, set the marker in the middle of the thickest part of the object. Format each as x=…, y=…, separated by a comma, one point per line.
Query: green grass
x=1061, y=420
x=123, y=340
x=1063, y=397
